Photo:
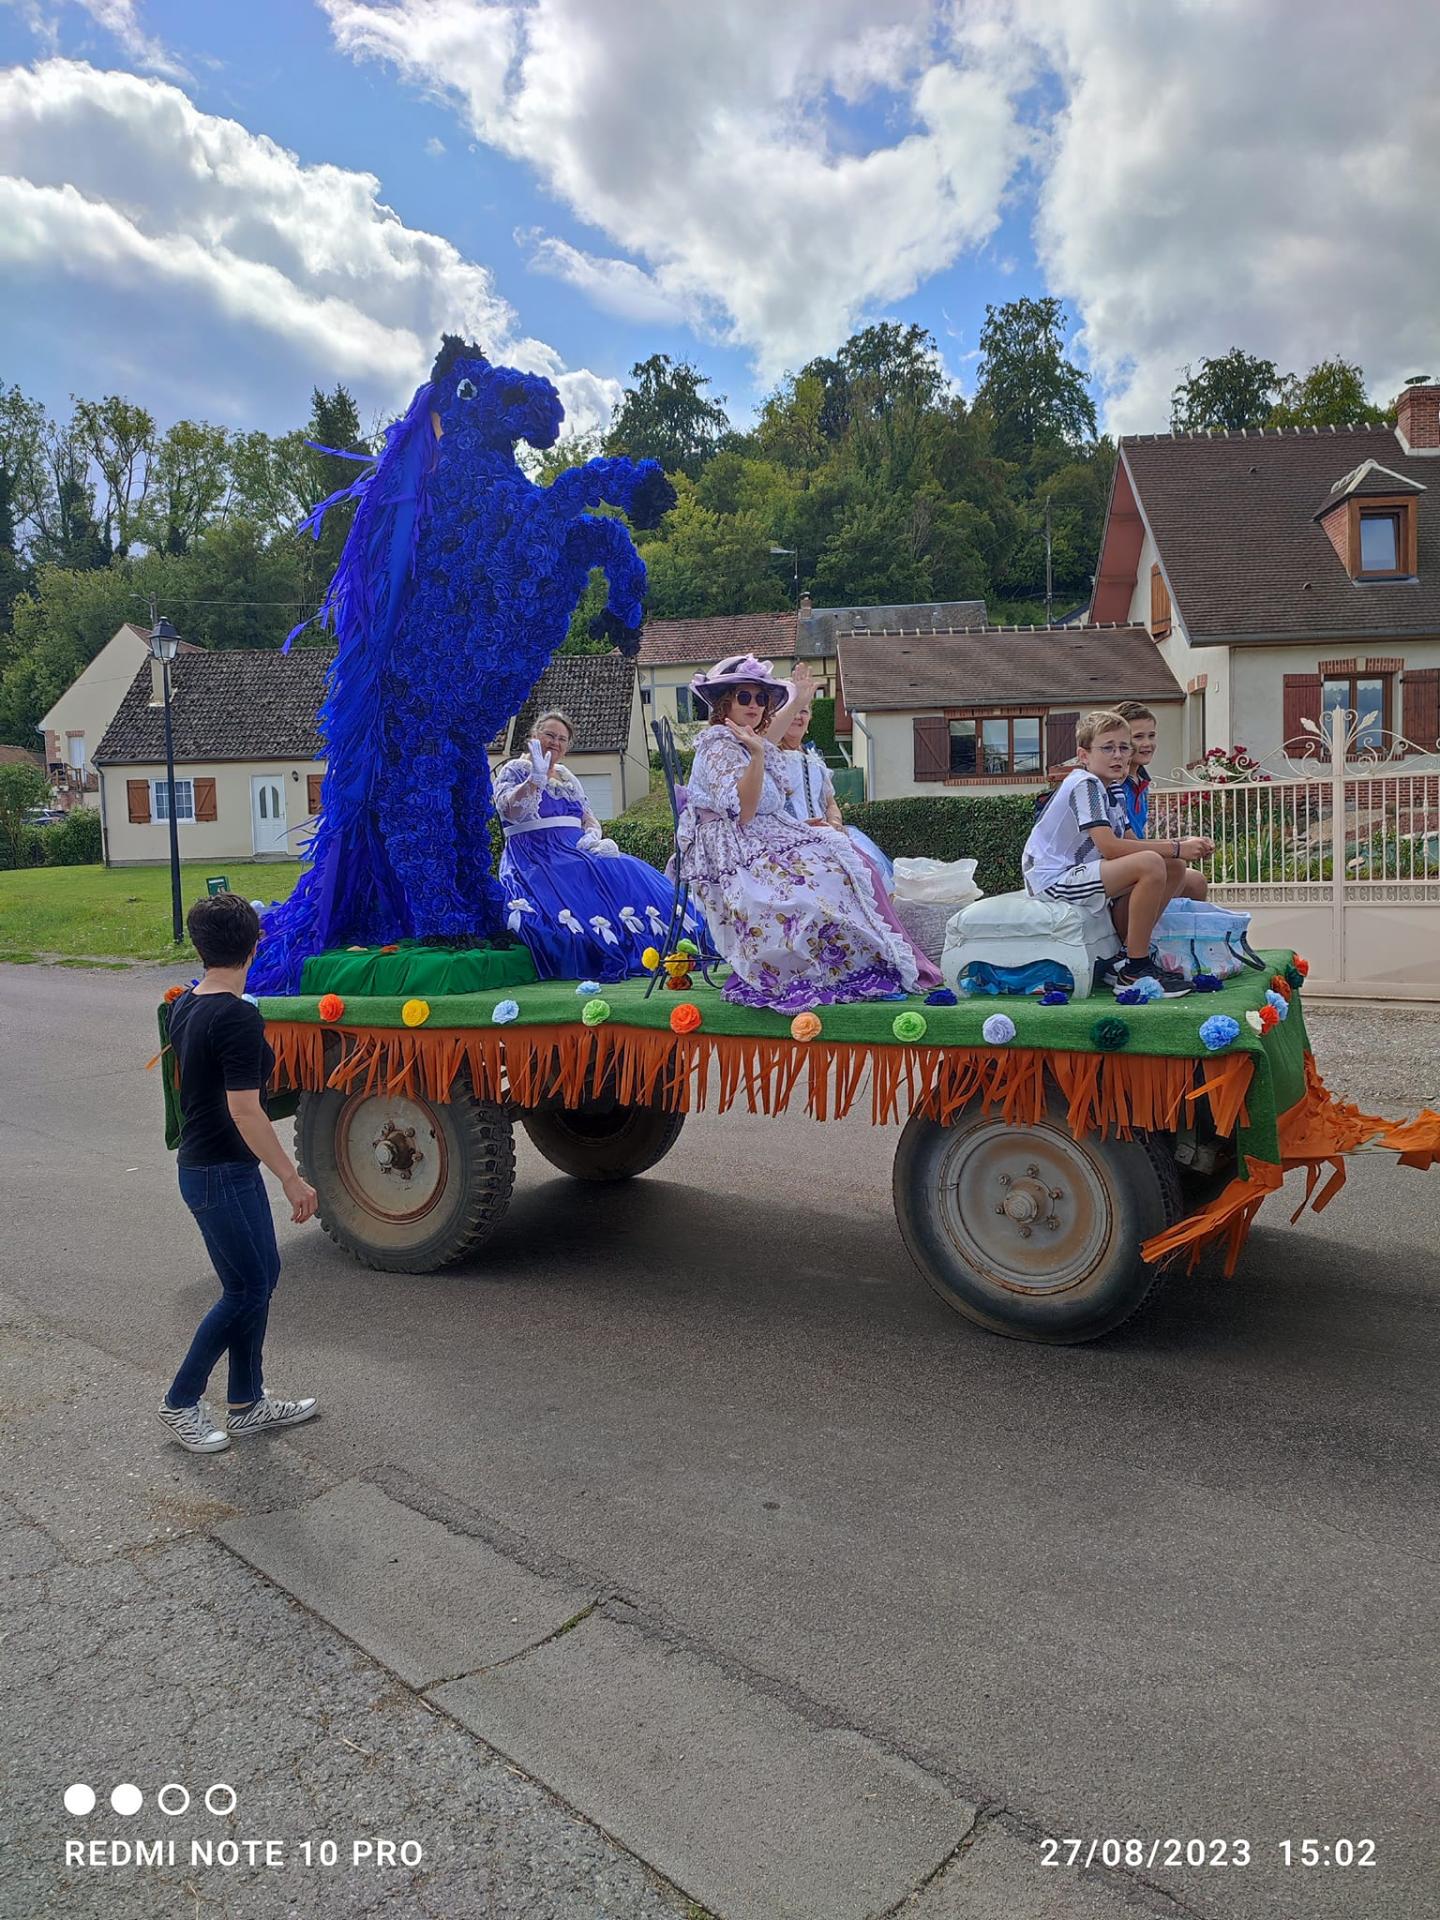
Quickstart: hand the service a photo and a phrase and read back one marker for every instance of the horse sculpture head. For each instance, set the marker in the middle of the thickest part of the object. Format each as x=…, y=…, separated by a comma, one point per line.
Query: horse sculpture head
x=489, y=408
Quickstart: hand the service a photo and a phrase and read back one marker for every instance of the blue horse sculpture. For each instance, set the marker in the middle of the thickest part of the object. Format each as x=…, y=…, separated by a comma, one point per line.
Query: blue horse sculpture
x=457, y=582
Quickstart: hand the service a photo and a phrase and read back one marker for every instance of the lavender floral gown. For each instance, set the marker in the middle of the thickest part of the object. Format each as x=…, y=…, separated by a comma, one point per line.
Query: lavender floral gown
x=790, y=908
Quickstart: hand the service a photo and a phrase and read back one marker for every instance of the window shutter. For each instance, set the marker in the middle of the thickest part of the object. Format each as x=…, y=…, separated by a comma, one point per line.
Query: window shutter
x=1420, y=722
x=1060, y=737
x=1159, y=604
x=1301, y=703
x=313, y=783
x=932, y=747
x=137, y=797
x=205, y=800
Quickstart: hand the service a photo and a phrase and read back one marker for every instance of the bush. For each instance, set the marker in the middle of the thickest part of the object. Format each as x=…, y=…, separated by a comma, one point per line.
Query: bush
x=822, y=724
x=990, y=829
x=74, y=841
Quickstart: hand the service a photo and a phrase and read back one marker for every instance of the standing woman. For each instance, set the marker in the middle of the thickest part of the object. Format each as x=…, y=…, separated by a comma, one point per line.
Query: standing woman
x=585, y=910
x=224, y=1064
x=789, y=906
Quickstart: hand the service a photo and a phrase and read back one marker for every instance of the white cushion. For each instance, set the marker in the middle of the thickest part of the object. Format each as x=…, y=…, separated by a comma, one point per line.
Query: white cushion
x=1006, y=916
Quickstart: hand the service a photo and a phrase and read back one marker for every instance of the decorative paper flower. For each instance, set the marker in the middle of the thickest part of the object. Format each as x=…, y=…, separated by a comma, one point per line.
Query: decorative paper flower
x=594, y=1011
x=999, y=1030
x=688, y=948
x=1293, y=975
x=330, y=1006
x=1302, y=967
x=1054, y=997
x=1218, y=1031
x=258, y=905
x=589, y=988
x=685, y=1017
x=394, y=947
x=941, y=997
x=1268, y=1018
x=1129, y=996
x=416, y=1012
x=355, y=949
x=1149, y=988
x=1109, y=1035
x=650, y=959
x=172, y=994
x=504, y=1011
x=1207, y=983
x=1279, y=1002
x=805, y=1026
x=1254, y=1022
x=909, y=1025
x=1279, y=984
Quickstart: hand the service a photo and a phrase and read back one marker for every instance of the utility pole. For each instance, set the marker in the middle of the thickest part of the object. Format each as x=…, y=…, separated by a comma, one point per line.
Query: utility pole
x=164, y=645
x=1049, y=586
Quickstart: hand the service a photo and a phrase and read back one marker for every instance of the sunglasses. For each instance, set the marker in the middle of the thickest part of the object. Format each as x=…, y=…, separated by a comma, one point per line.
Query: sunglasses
x=745, y=698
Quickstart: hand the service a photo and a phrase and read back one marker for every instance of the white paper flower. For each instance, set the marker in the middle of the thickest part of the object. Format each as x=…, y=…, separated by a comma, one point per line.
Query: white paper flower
x=999, y=1030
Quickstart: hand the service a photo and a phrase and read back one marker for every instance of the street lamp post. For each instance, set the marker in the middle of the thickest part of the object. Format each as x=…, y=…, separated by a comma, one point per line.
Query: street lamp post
x=791, y=553
x=164, y=645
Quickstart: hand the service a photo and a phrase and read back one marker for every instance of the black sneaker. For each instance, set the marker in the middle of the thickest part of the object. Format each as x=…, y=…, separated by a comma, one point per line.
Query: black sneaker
x=1173, y=985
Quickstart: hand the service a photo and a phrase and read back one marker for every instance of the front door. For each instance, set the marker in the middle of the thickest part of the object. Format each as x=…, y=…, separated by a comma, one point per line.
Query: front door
x=267, y=814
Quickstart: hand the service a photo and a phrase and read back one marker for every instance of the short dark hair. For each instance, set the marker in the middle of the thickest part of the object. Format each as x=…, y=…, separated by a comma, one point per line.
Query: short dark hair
x=1133, y=710
x=224, y=929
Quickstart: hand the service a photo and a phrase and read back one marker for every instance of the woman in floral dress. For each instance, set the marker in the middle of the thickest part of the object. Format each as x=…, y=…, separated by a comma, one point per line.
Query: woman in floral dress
x=789, y=906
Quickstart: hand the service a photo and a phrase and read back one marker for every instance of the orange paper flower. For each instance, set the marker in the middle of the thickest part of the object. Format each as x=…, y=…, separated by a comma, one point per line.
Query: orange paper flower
x=392, y=948
x=330, y=1006
x=172, y=994
x=1302, y=967
x=805, y=1026
x=1279, y=984
x=685, y=1018
x=1268, y=1018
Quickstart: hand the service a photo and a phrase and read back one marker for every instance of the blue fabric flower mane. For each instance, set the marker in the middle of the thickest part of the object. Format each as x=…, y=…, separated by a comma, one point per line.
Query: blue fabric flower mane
x=456, y=584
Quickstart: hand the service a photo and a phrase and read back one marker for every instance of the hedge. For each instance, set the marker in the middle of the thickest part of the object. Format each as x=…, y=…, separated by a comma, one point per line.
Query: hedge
x=990, y=829
x=74, y=841
x=822, y=724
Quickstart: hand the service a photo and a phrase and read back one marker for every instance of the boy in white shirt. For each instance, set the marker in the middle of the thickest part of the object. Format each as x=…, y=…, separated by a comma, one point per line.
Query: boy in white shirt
x=1081, y=851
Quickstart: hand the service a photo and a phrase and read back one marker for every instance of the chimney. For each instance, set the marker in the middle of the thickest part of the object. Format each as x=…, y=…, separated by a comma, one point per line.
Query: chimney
x=805, y=606
x=1417, y=415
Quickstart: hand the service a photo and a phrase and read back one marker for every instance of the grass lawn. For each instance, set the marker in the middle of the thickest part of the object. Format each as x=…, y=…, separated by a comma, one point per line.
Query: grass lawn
x=113, y=913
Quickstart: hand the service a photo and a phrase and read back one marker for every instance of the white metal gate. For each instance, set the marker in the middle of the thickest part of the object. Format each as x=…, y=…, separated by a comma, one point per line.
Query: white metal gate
x=1338, y=856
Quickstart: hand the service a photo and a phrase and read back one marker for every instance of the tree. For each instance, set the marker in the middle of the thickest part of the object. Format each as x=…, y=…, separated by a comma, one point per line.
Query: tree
x=120, y=439
x=22, y=789
x=667, y=416
x=70, y=534
x=876, y=556
x=13, y=574
x=189, y=478
x=1232, y=392
x=703, y=562
x=1331, y=394
x=23, y=428
x=1035, y=396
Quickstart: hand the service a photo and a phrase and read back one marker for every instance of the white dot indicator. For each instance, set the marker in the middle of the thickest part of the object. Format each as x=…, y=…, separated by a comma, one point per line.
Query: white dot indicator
x=79, y=1798
x=127, y=1799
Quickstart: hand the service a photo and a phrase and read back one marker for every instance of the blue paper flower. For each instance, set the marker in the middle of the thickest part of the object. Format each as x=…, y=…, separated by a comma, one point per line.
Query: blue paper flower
x=1149, y=988
x=505, y=1011
x=587, y=989
x=1207, y=983
x=1054, y=997
x=1218, y=1031
x=941, y=997
x=1129, y=996
x=999, y=1030
x=1279, y=1002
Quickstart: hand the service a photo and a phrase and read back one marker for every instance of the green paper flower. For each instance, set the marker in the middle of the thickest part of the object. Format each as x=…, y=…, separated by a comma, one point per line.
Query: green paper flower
x=908, y=1026
x=1293, y=976
x=594, y=1011
x=1110, y=1035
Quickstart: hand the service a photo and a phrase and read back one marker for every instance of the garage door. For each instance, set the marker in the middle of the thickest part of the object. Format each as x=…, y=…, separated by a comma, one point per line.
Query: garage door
x=598, y=792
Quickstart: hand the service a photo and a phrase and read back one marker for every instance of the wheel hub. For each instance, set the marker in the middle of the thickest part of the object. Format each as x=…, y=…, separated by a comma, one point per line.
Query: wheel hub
x=1026, y=1209
x=390, y=1155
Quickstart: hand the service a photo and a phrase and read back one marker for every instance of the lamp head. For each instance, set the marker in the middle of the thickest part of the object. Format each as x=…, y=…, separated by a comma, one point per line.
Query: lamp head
x=164, y=642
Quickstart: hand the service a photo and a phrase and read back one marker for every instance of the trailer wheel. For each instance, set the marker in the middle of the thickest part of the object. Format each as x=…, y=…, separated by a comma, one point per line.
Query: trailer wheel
x=603, y=1143
x=1030, y=1231
x=406, y=1184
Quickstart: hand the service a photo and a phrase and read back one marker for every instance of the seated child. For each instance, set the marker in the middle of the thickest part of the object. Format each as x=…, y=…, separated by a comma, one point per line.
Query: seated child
x=1135, y=788
x=1080, y=851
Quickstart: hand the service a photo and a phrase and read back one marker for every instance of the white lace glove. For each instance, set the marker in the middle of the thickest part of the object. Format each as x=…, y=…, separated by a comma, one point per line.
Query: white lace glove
x=539, y=764
x=589, y=841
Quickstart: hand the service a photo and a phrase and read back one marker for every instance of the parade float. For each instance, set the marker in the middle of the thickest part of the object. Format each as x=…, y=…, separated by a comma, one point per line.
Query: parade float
x=1056, y=1155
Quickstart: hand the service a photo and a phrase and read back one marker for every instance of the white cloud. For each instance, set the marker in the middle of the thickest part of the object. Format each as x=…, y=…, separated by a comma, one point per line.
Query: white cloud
x=119, y=18
x=1241, y=175
x=215, y=268
x=615, y=285
x=708, y=142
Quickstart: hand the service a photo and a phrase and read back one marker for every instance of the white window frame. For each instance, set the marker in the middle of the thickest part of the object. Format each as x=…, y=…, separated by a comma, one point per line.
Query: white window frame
x=184, y=802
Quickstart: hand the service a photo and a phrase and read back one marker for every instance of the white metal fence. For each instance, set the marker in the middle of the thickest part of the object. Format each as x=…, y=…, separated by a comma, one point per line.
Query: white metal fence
x=1337, y=855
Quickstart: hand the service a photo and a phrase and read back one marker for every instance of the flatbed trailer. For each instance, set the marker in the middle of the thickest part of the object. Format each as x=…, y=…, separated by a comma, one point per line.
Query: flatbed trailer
x=1045, y=1178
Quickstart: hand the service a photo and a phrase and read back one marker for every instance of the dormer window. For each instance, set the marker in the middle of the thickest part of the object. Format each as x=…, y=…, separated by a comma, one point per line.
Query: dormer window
x=1380, y=542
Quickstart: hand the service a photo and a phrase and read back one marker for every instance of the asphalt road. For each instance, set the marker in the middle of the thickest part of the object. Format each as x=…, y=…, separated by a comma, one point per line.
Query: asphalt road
x=1181, y=1583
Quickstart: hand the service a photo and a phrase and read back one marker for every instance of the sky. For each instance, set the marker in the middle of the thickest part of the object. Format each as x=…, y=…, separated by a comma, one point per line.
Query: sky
x=212, y=208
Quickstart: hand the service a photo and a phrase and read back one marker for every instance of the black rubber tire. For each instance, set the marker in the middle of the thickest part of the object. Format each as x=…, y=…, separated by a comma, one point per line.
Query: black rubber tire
x=475, y=1147
x=604, y=1142
x=1110, y=1195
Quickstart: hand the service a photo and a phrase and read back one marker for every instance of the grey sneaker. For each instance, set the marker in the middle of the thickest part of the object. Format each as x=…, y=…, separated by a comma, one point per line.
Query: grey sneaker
x=267, y=1413
x=194, y=1427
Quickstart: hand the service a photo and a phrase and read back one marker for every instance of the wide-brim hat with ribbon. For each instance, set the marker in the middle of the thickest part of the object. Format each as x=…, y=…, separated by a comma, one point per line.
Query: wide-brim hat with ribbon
x=739, y=670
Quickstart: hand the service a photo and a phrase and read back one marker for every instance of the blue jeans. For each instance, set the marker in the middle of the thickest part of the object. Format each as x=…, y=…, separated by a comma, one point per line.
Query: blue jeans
x=232, y=1211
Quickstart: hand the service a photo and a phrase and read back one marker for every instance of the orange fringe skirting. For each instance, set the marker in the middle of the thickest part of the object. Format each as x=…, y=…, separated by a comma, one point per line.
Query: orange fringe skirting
x=1316, y=1134
x=1104, y=1093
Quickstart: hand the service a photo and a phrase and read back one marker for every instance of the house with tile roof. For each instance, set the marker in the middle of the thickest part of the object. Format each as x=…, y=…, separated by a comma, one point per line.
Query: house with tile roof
x=76, y=724
x=672, y=652
x=1284, y=574
x=250, y=761
x=987, y=709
